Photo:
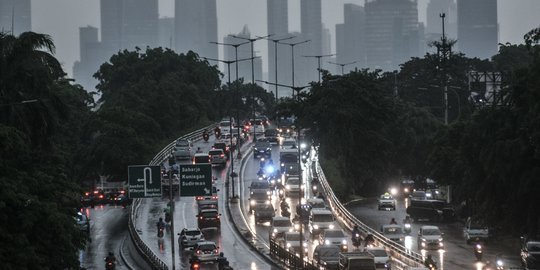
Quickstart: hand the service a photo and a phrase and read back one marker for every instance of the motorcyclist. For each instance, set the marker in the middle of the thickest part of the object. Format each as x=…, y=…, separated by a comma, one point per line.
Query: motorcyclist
x=407, y=220
x=429, y=262
x=194, y=260
x=393, y=221
x=217, y=131
x=355, y=231
x=160, y=226
x=222, y=261
x=110, y=258
x=198, y=150
x=369, y=240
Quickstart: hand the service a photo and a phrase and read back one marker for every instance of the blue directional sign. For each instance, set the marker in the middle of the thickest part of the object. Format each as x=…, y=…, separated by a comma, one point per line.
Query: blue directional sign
x=144, y=181
x=195, y=180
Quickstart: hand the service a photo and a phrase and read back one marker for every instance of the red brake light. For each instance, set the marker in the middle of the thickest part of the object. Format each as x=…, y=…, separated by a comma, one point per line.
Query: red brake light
x=95, y=192
x=199, y=251
x=222, y=155
x=215, y=251
x=101, y=196
x=87, y=193
x=122, y=191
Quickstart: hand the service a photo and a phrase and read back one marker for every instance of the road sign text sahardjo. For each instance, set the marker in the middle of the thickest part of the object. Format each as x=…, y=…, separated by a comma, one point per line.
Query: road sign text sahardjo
x=144, y=181
x=195, y=180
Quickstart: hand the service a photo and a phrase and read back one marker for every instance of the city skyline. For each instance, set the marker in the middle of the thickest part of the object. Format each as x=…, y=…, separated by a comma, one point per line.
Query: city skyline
x=66, y=34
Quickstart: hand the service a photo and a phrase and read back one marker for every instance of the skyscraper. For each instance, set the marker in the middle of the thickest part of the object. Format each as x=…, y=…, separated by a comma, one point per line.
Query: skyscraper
x=196, y=27
x=392, y=32
x=16, y=15
x=478, y=31
x=111, y=25
x=278, y=26
x=350, y=37
x=140, y=24
x=166, y=32
x=311, y=28
x=91, y=57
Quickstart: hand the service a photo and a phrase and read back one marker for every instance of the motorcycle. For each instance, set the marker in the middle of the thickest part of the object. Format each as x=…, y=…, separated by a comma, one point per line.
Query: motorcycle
x=407, y=228
x=205, y=137
x=478, y=252
x=432, y=266
x=356, y=240
x=109, y=265
x=160, y=232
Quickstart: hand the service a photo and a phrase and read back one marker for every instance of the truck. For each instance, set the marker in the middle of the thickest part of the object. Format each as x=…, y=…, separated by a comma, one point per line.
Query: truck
x=356, y=260
x=288, y=160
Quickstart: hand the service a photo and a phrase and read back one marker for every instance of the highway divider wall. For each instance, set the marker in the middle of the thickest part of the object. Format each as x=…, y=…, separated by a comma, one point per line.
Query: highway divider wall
x=397, y=251
x=142, y=248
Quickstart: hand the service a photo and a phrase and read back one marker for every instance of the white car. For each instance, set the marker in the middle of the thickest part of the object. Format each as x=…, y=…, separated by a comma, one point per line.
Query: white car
x=319, y=220
x=292, y=186
x=387, y=202
x=217, y=156
x=189, y=237
x=430, y=237
x=83, y=222
x=288, y=143
x=207, y=251
x=291, y=242
x=280, y=225
x=334, y=237
x=393, y=232
x=381, y=257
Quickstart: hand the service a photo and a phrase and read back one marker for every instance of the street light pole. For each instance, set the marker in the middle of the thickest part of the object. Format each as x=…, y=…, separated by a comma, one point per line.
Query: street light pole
x=252, y=40
x=343, y=65
x=276, y=41
x=319, y=61
x=292, y=56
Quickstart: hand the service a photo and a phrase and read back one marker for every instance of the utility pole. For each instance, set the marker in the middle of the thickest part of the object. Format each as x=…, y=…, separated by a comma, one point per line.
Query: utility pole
x=276, y=41
x=343, y=65
x=292, y=56
x=319, y=61
x=444, y=51
x=252, y=40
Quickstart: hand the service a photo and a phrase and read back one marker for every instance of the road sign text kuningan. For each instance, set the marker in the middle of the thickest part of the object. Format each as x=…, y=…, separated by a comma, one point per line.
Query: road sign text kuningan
x=195, y=180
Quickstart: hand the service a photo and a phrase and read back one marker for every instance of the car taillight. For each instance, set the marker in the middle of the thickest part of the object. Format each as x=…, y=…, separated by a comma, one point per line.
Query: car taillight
x=201, y=218
x=101, y=196
x=199, y=251
x=222, y=155
x=215, y=251
x=214, y=197
x=86, y=193
x=122, y=191
x=96, y=192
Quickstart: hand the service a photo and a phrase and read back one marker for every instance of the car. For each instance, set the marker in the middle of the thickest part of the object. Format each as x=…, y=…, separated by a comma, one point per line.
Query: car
x=182, y=149
x=327, y=256
x=530, y=253
x=292, y=243
x=407, y=186
x=393, y=232
x=223, y=146
x=209, y=219
x=418, y=195
x=217, y=157
x=201, y=158
x=381, y=257
x=213, y=196
x=83, y=222
x=334, y=237
x=189, y=237
x=280, y=225
x=292, y=186
x=258, y=197
x=264, y=212
x=289, y=143
x=319, y=220
x=260, y=185
x=271, y=135
x=386, y=202
x=206, y=251
x=207, y=204
x=257, y=126
x=430, y=237
x=474, y=231
x=87, y=199
x=316, y=203
x=262, y=148
x=434, y=210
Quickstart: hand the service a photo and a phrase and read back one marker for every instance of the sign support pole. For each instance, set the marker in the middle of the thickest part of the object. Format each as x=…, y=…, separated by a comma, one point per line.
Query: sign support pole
x=172, y=213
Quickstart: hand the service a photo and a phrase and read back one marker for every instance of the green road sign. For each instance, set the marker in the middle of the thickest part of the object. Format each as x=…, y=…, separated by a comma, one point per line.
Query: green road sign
x=195, y=180
x=144, y=181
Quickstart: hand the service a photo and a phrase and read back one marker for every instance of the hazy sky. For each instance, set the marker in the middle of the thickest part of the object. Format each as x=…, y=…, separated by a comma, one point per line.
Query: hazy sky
x=62, y=19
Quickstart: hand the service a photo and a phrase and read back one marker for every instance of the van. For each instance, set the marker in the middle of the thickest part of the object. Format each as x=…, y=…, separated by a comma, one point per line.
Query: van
x=434, y=210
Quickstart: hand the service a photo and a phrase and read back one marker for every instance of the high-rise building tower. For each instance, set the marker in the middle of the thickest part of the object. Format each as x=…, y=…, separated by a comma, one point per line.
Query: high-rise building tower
x=350, y=38
x=278, y=27
x=112, y=12
x=392, y=32
x=91, y=57
x=311, y=28
x=196, y=27
x=140, y=24
x=166, y=33
x=16, y=15
x=478, y=30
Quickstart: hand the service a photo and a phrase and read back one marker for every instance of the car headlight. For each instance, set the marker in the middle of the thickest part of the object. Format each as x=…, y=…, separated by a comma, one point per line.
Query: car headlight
x=440, y=239
x=297, y=226
x=331, y=226
x=269, y=192
x=406, y=190
x=275, y=230
x=303, y=145
x=288, y=245
x=327, y=242
x=344, y=241
x=252, y=202
x=288, y=187
x=267, y=201
x=316, y=227
x=314, y=187
x=423, y=244
x=304, y=244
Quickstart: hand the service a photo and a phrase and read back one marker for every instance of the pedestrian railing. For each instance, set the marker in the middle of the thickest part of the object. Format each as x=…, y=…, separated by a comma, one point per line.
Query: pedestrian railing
x=289, y=259
x=148, y=255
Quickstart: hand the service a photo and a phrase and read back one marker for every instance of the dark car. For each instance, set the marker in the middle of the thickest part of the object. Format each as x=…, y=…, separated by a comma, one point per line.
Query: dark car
x=271, y=135
x=530, y=253
x=327, y=255
x=262, y=148
x=209, y=218
x=434, y=210
x=223, y=146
